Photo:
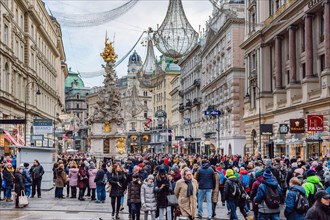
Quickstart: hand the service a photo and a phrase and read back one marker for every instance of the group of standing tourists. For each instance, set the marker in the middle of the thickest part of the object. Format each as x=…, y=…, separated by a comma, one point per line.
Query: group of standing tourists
x=163, y=186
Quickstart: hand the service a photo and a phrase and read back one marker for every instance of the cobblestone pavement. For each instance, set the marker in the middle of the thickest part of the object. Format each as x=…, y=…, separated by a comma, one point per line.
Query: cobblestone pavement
x=49, y=208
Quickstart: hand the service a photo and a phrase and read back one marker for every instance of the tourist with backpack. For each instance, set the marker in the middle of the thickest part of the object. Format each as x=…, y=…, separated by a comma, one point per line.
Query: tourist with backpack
x=269, y=197
x=321, y=208
x=259, y=179
x=312, y=185
x=296, y=203
x=101, y=180
x=232, y=193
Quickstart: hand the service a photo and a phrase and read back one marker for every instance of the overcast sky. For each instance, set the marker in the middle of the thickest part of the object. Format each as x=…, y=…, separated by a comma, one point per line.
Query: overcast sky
x=84, y=45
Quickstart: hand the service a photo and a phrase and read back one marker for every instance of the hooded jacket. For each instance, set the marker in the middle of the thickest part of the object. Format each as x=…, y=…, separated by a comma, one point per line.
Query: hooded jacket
x=73, y=175
x=245, y=178
x=205, y=177
x=228, y=186
x=309, y=185
x=318, y=211
x=148, y=197
x=290, y=204
x=261, y=196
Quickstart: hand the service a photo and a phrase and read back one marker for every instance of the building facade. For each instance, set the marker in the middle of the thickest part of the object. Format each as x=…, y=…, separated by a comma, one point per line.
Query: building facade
x=287, y=57
x=161, y=130
x=191, y=106
x=137, y=107
x=77, y=106
x=222, y=84
x=32, y=59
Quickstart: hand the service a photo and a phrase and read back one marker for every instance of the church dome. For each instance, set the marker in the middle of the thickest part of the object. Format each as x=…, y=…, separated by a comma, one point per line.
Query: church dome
x=135, y=58
x=73, y=80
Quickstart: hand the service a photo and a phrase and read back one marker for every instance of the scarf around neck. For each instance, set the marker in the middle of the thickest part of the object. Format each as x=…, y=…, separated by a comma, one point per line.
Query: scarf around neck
x=190, y=189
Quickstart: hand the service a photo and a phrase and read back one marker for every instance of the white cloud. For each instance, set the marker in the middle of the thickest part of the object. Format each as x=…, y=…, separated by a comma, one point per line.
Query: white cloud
x=84, y=45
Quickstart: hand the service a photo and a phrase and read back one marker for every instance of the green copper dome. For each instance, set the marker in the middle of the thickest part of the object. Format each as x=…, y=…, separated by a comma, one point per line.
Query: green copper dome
x=73, y=80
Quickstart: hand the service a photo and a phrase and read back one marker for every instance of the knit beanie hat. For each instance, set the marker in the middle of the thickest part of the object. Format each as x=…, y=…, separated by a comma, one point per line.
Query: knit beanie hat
x=294, y=165
x=268, y=174
x=268, y=162
x=310, y=173
x=259, y=173
x=151, y=177
x=299, y=171
x=229, y=173
x=315, y=163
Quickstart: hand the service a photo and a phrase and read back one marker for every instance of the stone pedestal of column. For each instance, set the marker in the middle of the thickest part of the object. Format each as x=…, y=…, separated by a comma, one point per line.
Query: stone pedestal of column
x=325, y=83
x=293, y=93
x=280, y=99
x=309, y=84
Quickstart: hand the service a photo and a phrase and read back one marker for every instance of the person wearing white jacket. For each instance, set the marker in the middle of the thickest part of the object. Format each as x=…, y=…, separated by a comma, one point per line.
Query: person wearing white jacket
x=148, y=199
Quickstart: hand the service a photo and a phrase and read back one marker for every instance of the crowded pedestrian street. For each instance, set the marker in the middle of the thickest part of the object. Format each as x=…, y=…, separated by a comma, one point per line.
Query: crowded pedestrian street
x=165, y=109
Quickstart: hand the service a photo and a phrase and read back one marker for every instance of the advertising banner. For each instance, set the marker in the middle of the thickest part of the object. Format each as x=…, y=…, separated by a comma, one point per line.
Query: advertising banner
x=297, y=125
x=315, y=123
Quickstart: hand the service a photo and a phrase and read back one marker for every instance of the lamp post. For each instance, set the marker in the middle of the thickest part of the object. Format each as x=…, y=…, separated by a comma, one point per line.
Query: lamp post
x=248, y=96
x=25, y=110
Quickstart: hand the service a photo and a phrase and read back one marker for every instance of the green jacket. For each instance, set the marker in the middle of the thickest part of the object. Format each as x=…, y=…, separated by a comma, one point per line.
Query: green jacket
x=309, y=185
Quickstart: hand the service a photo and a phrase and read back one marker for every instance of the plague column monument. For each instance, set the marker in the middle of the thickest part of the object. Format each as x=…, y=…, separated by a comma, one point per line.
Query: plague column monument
x=106, y=122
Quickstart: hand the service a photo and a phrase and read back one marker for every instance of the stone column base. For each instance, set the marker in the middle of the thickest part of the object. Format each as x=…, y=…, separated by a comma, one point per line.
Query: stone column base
x=325, y=83
x=279, y=98
x=293, y=93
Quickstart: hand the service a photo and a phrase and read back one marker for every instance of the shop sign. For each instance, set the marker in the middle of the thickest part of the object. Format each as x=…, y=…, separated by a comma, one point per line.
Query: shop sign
x=266, y=129
x=314, y=136
x=42, y=126
x=284, y=129
x=297, y=125
x=315, y=122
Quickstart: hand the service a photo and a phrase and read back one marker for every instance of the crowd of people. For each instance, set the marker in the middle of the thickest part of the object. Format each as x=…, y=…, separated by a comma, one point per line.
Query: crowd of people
x=165, y=186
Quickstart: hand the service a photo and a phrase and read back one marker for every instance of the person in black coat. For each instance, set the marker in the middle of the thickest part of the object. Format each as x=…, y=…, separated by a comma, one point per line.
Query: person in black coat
x=37, y=171
x=321, y=208
x=162, y=188
x=8, y=176
x=19, y=185
x=118, y=183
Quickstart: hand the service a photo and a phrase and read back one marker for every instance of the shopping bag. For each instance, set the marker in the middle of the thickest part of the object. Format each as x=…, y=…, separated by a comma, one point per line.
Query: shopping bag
x=4, y=183
x=22, y=199
x=172, y=200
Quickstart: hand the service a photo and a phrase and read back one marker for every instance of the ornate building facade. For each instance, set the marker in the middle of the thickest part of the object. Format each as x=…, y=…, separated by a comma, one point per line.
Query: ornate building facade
x=76, y=104
x=222, y=85
x=287, y=57
x=32, y=59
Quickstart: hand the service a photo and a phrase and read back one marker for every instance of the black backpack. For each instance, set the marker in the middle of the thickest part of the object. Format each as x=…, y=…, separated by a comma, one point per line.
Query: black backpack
x=236, y=190
x=317, y=187
x=273, y=198
x=301, y=203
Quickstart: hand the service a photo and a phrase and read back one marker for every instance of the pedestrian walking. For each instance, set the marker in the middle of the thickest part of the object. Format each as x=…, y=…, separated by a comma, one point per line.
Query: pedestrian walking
x=8, y=176
x=37, y=171
x=82, y=181
x=60, y=183
x=215, y=192
x=133, y=198
x=312, y=185
x=206, y=180
x=28, y=179
x=163, y=188
x=101, y=180
x=186, y=190
x=291, y=211
x=92, y=171
x=118, y=186
x=148, y=198
x=19, y=185
x=321, y=208
x=73, y=179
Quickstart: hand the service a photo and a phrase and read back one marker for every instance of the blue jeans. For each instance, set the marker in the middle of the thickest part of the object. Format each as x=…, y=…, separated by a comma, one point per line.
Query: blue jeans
x=28, y=190
x=100, y=192
x=262, y=216
x=8, y=191
x=122, y=200
x=167, y=210
x=201, y=194
x=232, y=206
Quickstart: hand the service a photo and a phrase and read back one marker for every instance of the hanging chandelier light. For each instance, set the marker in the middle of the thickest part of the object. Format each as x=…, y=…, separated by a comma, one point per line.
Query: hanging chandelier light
x=132, y=103
x=175, y=37
x=150, y=75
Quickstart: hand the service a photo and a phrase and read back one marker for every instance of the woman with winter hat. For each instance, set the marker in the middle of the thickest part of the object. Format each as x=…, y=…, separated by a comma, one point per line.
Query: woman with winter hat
x=8, y=176
x=73, y=182
x=82, y=181
x=92, y=174
x=148, y=199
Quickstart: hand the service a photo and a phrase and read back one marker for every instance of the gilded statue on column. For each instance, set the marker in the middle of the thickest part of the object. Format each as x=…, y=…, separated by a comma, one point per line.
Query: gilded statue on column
x=121, y=145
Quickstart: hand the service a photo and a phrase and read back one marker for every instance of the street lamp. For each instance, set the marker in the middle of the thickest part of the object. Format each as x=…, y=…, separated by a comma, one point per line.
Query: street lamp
x=25, y=111
x=248, y=96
